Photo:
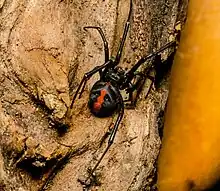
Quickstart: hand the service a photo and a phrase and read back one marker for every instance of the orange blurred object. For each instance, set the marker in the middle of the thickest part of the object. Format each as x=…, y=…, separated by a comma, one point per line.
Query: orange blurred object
x=190, y=154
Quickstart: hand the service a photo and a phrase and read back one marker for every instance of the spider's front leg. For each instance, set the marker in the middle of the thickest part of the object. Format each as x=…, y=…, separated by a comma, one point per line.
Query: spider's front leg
x=105, y=42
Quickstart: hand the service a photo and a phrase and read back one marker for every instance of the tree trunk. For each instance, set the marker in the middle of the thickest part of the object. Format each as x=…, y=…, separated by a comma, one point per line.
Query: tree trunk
x=44, y=53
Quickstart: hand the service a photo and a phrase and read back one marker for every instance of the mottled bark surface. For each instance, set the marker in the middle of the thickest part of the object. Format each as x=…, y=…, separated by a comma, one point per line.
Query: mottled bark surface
x=44, y=53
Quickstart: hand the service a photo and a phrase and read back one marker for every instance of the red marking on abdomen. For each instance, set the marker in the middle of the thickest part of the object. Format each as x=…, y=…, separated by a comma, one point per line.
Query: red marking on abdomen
x=100, y=100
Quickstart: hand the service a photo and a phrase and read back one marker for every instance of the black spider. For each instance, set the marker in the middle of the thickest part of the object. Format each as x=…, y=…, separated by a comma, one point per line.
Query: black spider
x=105, y=97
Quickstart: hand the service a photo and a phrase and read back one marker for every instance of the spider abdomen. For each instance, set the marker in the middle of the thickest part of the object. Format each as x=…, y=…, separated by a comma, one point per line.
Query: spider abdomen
x=103, y=99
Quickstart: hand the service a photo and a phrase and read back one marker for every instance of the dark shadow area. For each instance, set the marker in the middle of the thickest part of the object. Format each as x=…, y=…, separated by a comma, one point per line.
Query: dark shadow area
x=214, y=187
x=162, y=68
x=36, y=167
x=160, y=119
x=60, y=127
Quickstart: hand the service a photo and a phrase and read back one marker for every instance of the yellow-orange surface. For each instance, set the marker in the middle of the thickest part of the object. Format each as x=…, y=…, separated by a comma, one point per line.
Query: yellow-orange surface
x=190, y=154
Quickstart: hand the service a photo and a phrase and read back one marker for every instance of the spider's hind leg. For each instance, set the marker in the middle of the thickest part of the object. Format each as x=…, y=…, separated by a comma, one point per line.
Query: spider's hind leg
x=112, y=135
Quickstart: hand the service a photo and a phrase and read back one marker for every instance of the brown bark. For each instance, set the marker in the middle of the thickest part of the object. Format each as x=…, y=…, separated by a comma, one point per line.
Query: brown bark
x=44, y=53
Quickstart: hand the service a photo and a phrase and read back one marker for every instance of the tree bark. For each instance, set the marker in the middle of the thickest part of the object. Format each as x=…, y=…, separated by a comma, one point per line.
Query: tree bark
x=44, y=53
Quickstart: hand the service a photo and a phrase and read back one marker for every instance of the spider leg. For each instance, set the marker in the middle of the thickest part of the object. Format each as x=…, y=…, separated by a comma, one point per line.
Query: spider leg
x=106, y=49
x=118, y=56
x=137, y=86
x=130, y=93
x=110, y=140
x=130, y=73
x=131, y=101
x=86, y=77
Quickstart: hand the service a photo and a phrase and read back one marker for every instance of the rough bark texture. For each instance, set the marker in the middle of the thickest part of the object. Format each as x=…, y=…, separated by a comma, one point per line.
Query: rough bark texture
x=44, y=53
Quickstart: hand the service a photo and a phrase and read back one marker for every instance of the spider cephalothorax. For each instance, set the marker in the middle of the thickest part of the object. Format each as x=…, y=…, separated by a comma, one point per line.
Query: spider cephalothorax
x=105, y=97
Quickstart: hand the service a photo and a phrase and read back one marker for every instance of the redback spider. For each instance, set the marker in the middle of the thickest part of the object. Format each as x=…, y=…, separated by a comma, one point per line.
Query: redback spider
x=105, y=97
